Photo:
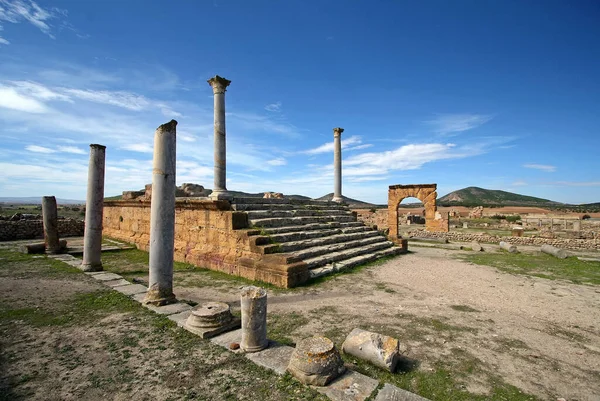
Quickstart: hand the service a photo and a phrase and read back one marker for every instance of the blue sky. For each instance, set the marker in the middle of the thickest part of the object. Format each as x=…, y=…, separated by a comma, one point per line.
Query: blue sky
x=501, y=95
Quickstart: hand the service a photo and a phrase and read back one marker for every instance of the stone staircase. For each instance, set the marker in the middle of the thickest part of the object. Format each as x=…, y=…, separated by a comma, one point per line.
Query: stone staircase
x=325, y=235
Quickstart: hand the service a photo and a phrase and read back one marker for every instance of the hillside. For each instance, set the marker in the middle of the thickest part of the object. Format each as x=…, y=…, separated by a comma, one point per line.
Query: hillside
x=353, y=203
x=37, y=200
x=475, y=196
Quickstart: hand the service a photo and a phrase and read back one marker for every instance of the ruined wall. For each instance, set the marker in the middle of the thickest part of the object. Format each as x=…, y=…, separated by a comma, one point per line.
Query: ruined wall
x=207, y=234
x=378, y=217
x=34, y=229
x=534, y=241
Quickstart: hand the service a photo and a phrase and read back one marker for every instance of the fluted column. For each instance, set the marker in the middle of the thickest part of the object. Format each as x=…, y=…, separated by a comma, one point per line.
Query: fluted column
x=92, y=240
x=219, y=86
x=162, y=217
x=337, y=164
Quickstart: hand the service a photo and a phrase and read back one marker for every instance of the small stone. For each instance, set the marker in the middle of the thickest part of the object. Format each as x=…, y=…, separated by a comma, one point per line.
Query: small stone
x=234, y=346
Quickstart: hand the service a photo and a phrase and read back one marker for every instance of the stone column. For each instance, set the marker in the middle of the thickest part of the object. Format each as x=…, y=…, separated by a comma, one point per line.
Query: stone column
x=219, y=86
x=92, y=240
x=337, y=164
x=50, y=218
x=254, y=319
x=162, y=217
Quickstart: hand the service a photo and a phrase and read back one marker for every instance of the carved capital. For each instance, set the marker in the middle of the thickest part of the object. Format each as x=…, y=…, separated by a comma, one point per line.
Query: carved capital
x=337, y=132
x=219, y=84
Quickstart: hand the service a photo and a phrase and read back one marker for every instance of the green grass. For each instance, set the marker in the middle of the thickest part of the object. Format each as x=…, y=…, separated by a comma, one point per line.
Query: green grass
x=280, y=326
x=539, y=265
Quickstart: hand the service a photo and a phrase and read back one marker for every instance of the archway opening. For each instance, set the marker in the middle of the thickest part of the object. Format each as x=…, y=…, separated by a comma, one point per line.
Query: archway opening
x=411, y=215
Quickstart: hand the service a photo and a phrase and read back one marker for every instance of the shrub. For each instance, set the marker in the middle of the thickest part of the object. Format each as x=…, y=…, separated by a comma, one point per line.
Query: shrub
x=585, y=217
x=512, y=219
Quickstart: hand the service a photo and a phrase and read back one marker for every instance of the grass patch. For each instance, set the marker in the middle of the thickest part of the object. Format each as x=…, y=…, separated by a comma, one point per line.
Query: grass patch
x=539, y=265
x=463, y=308
x=279, y=326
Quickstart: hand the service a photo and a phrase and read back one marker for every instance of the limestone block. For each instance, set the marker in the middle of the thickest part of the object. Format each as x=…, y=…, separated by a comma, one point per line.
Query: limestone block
x=476, y=246
x=316, y=361
x=380, y=350
x=211, y=319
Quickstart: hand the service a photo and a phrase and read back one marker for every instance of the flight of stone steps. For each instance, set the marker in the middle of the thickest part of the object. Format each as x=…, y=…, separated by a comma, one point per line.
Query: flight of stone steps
x=324, y=235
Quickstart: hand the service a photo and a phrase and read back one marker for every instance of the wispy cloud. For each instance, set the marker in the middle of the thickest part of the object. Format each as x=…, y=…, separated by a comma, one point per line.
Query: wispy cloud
x=328, y=147
x=273, y=107
x=543, y=167
x=122, y=99
x=280, y=161
x=139, y=147
x=577, y=184
x=71, y=149
x=39, y=149
x=519, y=183
x=452, y=124
x=17, y=11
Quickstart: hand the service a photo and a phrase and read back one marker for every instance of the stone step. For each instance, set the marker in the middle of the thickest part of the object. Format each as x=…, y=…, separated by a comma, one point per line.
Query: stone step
x=315, y=251
x=345, y=264
x=352, y=224
x=290, y=221
x=357, y=229
x=343, y=254
x=301, y=235
x=294, y=246
x=302, y=228
x=264, y=214
x=286, y=206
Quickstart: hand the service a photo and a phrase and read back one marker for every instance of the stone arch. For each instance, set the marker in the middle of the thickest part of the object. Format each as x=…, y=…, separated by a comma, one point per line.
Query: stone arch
x=427, y=194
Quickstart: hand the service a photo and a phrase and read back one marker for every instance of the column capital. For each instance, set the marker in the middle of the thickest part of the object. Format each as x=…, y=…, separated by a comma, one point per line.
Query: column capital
x=337, y=131
x=219, y=84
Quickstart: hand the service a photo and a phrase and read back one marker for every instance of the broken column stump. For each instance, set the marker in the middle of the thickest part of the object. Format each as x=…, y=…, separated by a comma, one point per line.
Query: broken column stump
x=40, y=247
x=554, y=251
x=254, y=319
x=211, y=319
x=316, y=361
x=50, y=220
x=508, y=247
x=382, y=351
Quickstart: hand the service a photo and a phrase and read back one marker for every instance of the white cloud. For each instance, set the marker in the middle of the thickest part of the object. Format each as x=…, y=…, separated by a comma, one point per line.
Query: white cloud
x=328, y=147
x=519, y=183
x=39, y=149
x=577, y=184
x=450, y=124
x=127, y=100
x=17, y=11
x=4, y=41
x=251, y=121
x=139, y=147
x=280, y=161
x=543, y=167
x=363, y=146
x=71, y=149
x=274, y=107
x=13, y=100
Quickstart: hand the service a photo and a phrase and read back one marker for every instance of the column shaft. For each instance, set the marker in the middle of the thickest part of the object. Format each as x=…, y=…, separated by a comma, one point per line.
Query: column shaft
x=337, y=164
x=50, y=219
x=219, y=85
x=162, y=217
x=92, y=240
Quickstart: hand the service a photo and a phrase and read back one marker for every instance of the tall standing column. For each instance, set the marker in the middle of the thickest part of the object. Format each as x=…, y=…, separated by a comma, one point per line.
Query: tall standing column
x=219, y=86
x=337, y=164
x=92, y=240
x=162, y=217
x=50, y=219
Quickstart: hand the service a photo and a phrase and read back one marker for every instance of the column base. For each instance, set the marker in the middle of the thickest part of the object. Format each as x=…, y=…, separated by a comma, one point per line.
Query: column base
x=91, y=267
x=220, y=195
x=338, y=199
x=159, y=298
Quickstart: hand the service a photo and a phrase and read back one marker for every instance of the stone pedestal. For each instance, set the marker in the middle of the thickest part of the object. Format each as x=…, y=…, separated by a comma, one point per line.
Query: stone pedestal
x=316, y=361
x=50, y=220
x=92, y=240
x=254, y=319
x=219, y=86
x=337, y=164
x=380, y=350
x=211, y=319
x=162, y=217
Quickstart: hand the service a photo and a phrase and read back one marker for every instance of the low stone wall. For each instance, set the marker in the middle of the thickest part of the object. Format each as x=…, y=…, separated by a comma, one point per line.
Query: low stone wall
x=593, y=244
x=207, y=234
x=34, y=229
x=373, y=217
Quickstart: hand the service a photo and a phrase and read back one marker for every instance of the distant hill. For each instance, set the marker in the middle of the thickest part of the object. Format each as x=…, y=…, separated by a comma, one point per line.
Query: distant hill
x=37, y=200
x=475, y=196
x=353, y=203
x=235, y=193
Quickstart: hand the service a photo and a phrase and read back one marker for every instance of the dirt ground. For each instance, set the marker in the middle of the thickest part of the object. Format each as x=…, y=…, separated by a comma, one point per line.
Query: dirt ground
x=467, y=332
x=542, y=336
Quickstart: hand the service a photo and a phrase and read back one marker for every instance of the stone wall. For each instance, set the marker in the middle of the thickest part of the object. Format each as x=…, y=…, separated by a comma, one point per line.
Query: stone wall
x=373, y=217
x=593, y=244
x=207, y=234
x=34, y=229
